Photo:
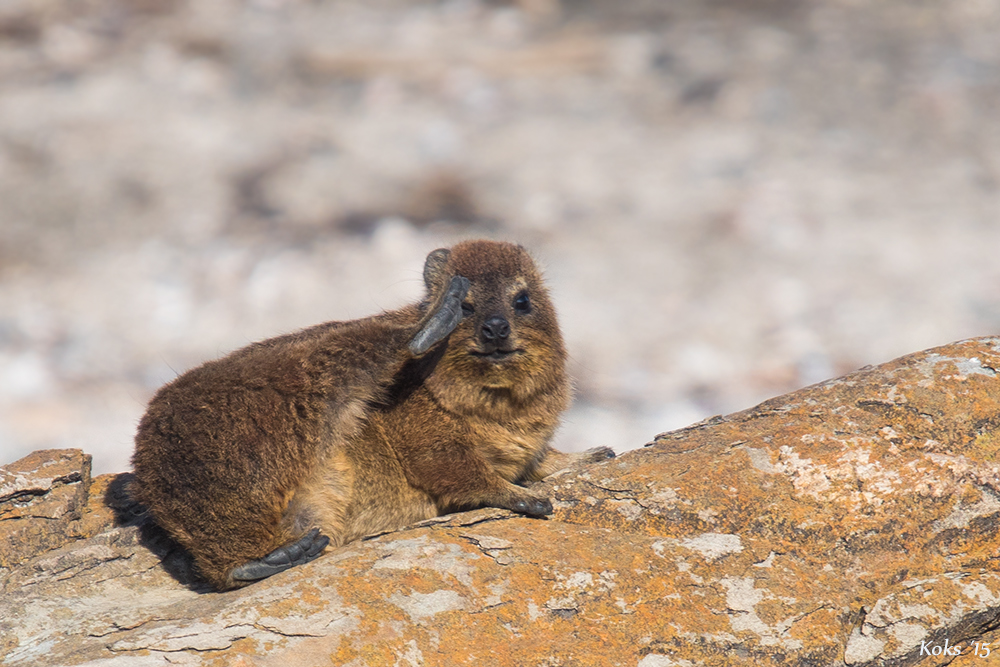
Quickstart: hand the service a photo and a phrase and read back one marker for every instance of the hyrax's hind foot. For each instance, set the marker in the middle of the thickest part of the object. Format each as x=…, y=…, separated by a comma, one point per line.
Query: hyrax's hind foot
x=299, y=552
x=444, y=318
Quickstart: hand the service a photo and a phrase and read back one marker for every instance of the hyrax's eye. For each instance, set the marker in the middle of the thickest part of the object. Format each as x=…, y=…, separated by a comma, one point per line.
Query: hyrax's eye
x=522, y=304
x=467, y=310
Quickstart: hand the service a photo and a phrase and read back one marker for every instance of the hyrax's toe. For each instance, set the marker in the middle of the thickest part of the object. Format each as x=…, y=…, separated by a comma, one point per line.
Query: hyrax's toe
x=532, y=506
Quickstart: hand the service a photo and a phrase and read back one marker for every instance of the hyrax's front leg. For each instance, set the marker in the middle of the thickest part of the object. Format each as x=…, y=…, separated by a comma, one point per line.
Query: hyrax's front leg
x=459, y=479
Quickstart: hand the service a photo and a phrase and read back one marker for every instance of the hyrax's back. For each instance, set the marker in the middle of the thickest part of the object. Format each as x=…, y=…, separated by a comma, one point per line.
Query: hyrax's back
x=356, y=427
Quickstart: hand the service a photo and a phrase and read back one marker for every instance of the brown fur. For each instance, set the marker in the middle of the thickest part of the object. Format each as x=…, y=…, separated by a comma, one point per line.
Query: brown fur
x=340, y=427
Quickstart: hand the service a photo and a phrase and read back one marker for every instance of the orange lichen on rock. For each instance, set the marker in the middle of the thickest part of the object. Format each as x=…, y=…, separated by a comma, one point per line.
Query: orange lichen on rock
x=852, y=522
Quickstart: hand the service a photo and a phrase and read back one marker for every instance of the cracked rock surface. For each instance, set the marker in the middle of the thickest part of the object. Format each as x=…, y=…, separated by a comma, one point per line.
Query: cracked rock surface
x=852, y=522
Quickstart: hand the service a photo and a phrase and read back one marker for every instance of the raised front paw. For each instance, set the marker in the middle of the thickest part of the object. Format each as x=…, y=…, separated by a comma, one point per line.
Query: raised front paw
x=299, y=552
x=443, y=320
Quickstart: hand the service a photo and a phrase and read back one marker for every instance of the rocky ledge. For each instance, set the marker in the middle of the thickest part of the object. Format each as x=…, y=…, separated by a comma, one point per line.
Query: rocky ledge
x=852, y=522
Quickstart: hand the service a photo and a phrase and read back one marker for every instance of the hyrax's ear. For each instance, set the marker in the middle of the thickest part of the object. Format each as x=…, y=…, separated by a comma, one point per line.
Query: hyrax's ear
x=434, y=267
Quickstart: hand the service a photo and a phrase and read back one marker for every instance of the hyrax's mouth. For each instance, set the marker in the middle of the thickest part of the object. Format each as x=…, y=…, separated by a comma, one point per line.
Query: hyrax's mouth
x=495, y=355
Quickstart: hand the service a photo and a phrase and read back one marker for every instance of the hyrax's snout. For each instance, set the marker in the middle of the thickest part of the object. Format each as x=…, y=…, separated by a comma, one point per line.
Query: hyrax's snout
x=494, y=330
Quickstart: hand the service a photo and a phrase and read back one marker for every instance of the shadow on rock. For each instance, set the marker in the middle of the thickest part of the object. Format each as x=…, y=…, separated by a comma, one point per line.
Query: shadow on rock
x=176, y=560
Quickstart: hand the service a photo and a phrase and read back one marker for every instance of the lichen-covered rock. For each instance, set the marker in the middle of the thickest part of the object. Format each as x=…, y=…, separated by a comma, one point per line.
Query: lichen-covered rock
x=853, y=522
x=42, y=498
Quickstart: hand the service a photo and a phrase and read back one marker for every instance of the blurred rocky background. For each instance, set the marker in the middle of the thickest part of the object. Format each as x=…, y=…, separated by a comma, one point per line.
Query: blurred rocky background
x=732, y=198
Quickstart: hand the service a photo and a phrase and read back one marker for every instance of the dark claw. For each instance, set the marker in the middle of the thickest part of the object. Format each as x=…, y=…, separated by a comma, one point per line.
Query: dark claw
x=445, y=318
x=301, y=551
x=316, y=548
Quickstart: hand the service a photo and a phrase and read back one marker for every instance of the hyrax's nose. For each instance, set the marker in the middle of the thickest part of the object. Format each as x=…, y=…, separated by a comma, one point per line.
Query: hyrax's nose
x=495, y=329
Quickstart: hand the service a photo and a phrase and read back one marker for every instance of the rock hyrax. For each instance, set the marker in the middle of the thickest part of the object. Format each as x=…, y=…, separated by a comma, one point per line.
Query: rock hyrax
x=256, y=461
